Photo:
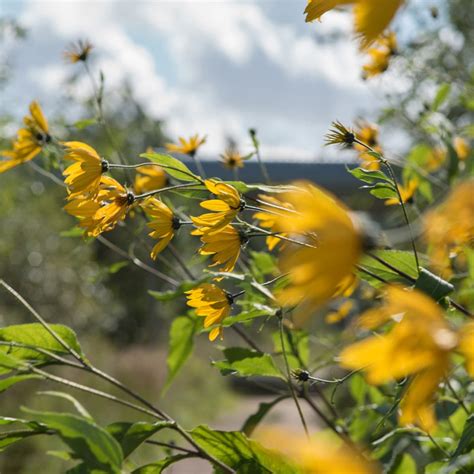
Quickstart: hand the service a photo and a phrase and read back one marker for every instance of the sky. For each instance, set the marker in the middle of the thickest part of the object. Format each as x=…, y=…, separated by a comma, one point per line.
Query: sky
x=211, y=67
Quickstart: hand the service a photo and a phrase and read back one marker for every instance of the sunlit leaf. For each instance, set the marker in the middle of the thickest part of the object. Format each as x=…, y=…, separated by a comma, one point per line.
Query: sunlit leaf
x=174, y=167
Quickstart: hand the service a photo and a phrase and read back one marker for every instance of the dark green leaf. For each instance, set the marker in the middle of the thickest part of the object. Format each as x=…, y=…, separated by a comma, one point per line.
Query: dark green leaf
x=182, y=332
x=246, y=362
x=158, y=467
x=433, y=285
x=8, y=382
x=176, y=293
x=131, y=435
x=253, y=420
x=235, y=450
x=383, y=191
x=116, y=267
x=368, y=176
x=466, y=443
x=87, y=441
x=174, y=167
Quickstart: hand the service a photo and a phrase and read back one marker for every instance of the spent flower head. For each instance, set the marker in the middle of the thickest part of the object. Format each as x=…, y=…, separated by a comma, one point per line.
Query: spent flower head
x=78, y=51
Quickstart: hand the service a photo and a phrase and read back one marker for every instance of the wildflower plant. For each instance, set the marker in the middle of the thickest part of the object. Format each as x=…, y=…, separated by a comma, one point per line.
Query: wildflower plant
x=390, y=383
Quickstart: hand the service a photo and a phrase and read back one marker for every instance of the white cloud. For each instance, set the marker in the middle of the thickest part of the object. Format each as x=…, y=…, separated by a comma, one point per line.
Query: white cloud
x=209, y=67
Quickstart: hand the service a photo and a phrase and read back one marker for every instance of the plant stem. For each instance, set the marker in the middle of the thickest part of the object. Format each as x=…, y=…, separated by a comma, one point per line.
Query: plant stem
x=288, y=379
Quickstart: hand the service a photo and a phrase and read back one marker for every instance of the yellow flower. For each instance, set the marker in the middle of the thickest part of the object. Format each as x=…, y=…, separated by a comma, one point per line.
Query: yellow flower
x=380, y=55
x=268, y=218
x=85, y=173
x=341, y=313
x=462, y=148
x=149, y=178
x=340, y=135
x=407, y=192
x=436, y=158
x=368, y=133
x=319, y=455
x=466, y=346
x=99, y=212
x=322, y=268
x=30, y=140
x=419, y=344
x=78, y=51
x=232, y=159
x=224, y=246
x=163, y=222
x=187, y=147
x=211, y=303
x=450, y=227
x=225, y=208
x=371, y=17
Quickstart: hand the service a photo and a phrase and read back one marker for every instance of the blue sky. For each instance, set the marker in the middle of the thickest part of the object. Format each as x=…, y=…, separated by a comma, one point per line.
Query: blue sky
x=210, y=67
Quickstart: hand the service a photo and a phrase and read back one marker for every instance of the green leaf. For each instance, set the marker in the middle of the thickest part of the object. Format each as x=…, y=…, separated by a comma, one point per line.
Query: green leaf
x=35, y=334
x=9, y=363
x=466, y=443
x=8, y=382
x=263, y=408
x=117, y=266
x=176, y=293
x=245, y=363
x=182, y=332
x=30, y=428
x=246, y=316
x=77, y=405
x=132, y=435
x=159, y=466
x=441, y=96
x=174, y=167
x=81, y=124
x=368, y=176
x=400, y=259
x=383, y=191
x=433, y=285
x=87, y=441
x=74, y=232
x=406, y=465
x=235, y=450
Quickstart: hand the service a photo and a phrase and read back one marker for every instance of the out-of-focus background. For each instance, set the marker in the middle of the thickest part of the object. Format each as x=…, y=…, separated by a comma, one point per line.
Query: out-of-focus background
x=175, y=68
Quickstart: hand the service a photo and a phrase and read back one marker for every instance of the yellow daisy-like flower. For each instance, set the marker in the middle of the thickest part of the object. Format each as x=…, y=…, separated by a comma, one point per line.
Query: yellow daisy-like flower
x=85, y=173
x=163, y=222
x=450, y=227
x=318, y=455
x=225, y=208
x=419, y=344
x=78, y=51
x=187, y=147
x=371, y=17
x=462, y=148
x=436, y=157
x=268, y=218
x=466, y=346
x=99, y=212
x=368, y=133
x=211, y=303
x=380, y=55
x=232, y=158
x=224, y=246
x=407, y=192
x=30, y=140
x=324, y=267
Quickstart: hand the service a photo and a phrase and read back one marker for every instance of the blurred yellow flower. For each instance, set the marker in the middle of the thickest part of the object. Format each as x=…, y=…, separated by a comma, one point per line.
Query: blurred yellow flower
x=319, y=455
x=380, y=55
x=225, y=208
x=371, y=17
x=187, y=147
x=323, y=267
x=462, y=148
x=78, y=51
x=368, y=133
x=224, y=246
x=406, y=192
x=30, y=140
x=268, y=218
x=84, y=174
x=450, y=227
x=466, y=346
x=149, y=178
x=163, y=222
x=99, y=212
x=419, y=344
x=341, y=313
x=232, y=158
x=436, y=158
x=211, y=303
